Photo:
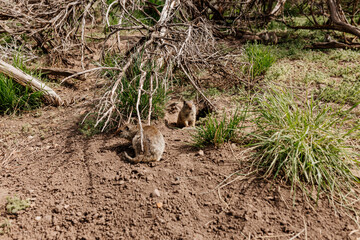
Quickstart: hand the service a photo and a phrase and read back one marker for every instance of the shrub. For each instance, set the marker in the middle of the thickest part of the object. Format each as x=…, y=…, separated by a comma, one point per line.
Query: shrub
x=305, y=145
x=216, y=132
x=128, y=94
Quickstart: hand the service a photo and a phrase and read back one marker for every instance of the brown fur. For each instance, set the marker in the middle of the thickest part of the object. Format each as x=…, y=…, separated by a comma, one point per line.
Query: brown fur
x=153, y=143
x=187, y=115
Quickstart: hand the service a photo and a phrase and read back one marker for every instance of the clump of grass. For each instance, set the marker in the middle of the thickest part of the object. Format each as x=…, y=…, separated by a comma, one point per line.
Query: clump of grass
x=260, y=58
x=346, y=92
x=216, y=132
x=305, y=145
x=14, y=97
x=5, y=226
x=128, y=94
x=87, y=126
x=15, y=204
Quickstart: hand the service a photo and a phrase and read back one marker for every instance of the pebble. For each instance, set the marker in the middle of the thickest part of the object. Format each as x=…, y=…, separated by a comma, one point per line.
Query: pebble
x=200, y=153
x=38, y=218
x=155, y=193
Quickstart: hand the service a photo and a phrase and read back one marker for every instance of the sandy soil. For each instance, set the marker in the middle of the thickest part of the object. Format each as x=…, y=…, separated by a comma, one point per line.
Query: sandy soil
x=82, y=188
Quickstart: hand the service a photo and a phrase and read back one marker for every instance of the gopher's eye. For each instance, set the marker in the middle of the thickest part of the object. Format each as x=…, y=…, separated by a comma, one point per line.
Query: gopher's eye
x=127, y=128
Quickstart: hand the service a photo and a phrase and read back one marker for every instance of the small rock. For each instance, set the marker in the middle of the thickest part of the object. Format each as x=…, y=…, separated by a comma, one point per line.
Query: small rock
x=155, y=193
x=200, y=153
x=121, y=182
x=38, y=218
x=149, y=178
x=159, y=204
x=66, y=206
x=161, y=220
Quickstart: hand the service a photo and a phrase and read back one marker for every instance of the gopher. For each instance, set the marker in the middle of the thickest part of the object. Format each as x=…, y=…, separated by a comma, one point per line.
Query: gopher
x=187, y=115
x=269, y=37
x=153, y=142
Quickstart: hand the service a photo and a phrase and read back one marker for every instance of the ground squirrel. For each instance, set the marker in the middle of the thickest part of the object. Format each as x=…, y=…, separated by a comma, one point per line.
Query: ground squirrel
x=153, y=140
x=269, y=37
x=187, y=115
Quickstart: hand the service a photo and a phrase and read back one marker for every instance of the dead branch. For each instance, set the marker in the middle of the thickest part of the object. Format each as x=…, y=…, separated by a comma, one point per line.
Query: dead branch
x=337, y=18
x=333, y=44
x=27, y=80
x=60, y=72
x=163, y=45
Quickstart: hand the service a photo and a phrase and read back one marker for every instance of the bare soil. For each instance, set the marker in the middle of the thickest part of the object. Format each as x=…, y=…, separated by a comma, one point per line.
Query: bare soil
x=82, y=188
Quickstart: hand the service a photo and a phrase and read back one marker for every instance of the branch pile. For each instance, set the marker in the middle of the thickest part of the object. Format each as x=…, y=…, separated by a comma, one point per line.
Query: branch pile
x=53, y=25
x=171, y=40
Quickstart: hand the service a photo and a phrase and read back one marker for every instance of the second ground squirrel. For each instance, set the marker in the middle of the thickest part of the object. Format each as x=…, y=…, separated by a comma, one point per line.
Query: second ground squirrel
x=187, y=115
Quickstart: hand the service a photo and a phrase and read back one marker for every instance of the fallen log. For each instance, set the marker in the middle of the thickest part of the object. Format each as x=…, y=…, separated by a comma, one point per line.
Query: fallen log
x=332, y=44
x=27, y=80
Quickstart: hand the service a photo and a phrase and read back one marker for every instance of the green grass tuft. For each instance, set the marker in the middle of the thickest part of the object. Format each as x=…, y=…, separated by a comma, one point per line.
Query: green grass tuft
x=127, y=96
x=5, y=226
x=305, y=145
x=15, y=204
x=216, y=132
x=14, y=97
x=260, y=58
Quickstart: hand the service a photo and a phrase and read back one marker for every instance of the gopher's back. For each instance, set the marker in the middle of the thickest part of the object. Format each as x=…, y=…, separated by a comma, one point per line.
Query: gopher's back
x=153, y=145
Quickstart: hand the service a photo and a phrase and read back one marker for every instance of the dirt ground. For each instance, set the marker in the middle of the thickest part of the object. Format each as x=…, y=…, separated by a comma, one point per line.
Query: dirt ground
x=82, y=188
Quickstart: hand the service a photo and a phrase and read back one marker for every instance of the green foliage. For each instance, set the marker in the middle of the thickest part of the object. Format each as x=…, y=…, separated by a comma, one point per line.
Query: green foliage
x=148, y=15
x=346, y=92
x=260, y=58
x=15, y=204
x=5, y=227
x=128, y=93
x=88, y=128
x=305, y=145
x=14, y=97
x=216, y=132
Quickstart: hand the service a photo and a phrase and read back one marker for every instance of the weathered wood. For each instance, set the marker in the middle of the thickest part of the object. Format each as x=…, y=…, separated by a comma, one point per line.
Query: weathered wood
x=332, y=44
x=336, y=18
x=27, y=80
